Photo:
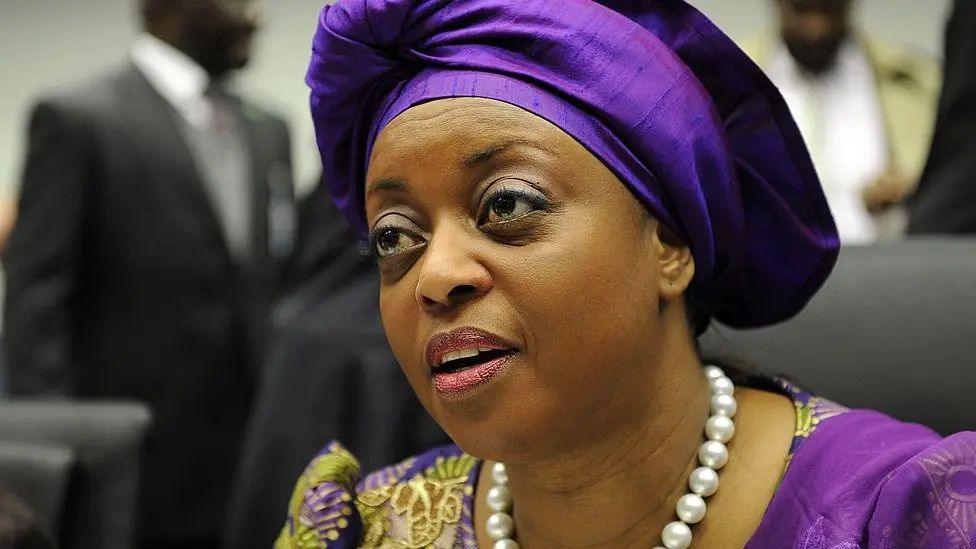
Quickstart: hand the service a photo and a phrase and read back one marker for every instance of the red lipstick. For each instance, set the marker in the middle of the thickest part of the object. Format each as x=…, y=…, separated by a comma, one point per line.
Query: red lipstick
x=466, y=358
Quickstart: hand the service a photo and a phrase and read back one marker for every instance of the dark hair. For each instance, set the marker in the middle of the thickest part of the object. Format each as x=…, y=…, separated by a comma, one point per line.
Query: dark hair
x=150, y=9
x=697, y=312
x=742, y=372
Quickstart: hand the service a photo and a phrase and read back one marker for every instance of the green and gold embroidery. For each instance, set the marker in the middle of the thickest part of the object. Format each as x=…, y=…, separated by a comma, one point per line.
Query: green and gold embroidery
x=334, y=475
x=811, y=413
x=417, y=512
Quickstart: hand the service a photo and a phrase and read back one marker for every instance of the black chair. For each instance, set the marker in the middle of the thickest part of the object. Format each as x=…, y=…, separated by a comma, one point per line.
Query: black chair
x=893, y=329
x=39, y=475
x=106, y=439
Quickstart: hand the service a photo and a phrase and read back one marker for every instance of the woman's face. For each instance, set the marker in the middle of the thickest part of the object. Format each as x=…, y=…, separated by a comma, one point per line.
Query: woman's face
x=521, y=281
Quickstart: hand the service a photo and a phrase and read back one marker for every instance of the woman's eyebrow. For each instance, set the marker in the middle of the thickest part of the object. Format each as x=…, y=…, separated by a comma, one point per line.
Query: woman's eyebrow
x=486, y=154
x=386, y=184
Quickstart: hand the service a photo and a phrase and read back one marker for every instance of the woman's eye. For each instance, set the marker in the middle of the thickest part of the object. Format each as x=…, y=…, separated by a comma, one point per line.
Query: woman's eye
x=509, y=205
x=391, y=241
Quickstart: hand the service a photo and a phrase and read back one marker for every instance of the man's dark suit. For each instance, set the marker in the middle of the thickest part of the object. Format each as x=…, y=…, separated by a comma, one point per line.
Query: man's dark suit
x=946, y=198
x=120, y=285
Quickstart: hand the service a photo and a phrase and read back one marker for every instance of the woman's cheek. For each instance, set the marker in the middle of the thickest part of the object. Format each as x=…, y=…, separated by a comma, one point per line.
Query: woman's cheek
x=400, y=323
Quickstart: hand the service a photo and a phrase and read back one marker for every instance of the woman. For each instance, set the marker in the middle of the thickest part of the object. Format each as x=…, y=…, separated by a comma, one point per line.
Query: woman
x=559, y=196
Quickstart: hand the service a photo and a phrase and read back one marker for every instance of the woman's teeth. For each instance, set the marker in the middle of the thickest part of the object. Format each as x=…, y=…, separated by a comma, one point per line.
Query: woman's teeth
x=463, y=353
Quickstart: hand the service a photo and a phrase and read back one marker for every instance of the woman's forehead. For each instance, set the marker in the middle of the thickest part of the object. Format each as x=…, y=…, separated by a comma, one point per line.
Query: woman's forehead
x=485, y=109
x=463, y=123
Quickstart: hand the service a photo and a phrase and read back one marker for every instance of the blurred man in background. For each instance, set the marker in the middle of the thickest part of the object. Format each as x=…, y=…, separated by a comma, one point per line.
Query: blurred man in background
x=865, y=109
x=142, y=263
x=946, y=198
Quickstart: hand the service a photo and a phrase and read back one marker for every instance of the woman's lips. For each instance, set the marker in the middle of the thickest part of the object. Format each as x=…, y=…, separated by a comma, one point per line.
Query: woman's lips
x=453, y=358
x=461, y=381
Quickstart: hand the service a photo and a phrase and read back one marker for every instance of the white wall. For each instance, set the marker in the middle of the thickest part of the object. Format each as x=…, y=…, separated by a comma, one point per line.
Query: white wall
x=49, y=43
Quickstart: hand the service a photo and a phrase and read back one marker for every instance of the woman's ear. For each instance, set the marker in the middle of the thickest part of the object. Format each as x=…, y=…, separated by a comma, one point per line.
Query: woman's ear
x=677, y=266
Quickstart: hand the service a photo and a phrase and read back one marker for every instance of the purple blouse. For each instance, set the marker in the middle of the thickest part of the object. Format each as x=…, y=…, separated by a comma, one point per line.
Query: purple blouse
x=853, y=479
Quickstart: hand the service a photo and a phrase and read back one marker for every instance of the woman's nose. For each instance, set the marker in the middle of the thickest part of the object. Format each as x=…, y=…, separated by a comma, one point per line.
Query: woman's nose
x=450, y=274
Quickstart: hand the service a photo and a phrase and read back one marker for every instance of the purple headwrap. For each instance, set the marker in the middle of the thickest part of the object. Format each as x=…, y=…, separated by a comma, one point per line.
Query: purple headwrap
x=650, y=87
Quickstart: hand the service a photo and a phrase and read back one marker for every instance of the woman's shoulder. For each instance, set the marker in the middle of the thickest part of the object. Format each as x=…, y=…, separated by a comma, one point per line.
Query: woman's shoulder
x=859, y=478
x=423, y=501
x=930, y=500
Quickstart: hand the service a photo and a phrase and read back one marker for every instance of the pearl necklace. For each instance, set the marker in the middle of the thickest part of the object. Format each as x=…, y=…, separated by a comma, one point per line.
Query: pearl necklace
x=703, y=482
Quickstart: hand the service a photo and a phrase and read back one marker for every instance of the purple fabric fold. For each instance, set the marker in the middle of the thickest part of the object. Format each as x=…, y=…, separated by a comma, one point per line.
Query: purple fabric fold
x=864, y=480
x=650, y=87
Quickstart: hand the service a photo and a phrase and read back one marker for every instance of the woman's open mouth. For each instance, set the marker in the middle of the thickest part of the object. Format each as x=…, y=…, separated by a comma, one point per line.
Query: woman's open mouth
x=466, y=358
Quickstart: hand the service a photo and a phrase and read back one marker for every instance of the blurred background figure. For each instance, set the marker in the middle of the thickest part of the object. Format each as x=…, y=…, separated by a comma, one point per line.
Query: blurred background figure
x=946, y=198
x=18, y=527
x=865, y=108
x=153, y=204
x=8, y=212
x=330, y=376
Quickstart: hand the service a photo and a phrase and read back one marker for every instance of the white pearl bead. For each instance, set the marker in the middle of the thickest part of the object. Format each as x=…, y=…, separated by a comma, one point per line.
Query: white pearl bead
x=499, y=473
x=703, y=481
x=713, y=454
x=676, y=535
x=713, y=372
x=724, y=405
x=499, y=499
x=719, y=428
x=722, y=386
x=500, y=526
x=691, y=508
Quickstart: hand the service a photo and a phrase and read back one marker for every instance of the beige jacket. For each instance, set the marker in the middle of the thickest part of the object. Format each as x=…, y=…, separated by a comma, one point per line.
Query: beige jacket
x=908, y=86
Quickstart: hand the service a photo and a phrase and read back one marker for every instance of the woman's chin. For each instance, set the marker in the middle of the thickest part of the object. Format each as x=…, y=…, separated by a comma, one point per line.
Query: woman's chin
x=478, y=415
x=503, y=443
x=498, y=420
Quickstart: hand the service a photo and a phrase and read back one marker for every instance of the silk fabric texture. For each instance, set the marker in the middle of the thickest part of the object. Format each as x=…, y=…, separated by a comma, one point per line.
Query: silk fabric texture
x=650, y=87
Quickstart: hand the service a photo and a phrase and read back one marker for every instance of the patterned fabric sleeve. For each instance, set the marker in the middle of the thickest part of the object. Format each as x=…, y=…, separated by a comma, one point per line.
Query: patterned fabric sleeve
x=930, y=501
x=322, y=511
x=424, y=502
